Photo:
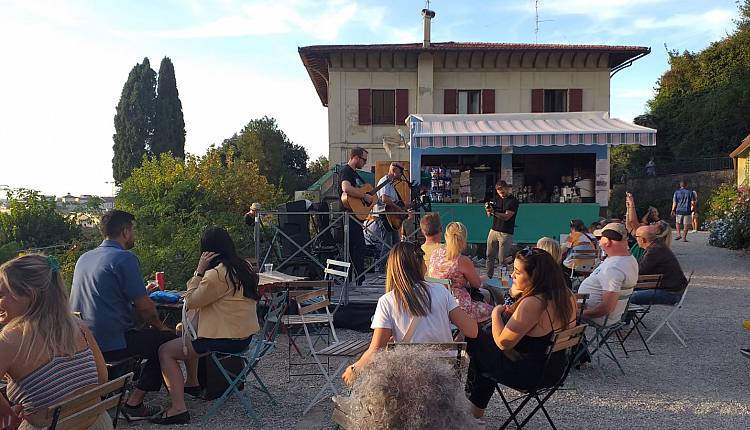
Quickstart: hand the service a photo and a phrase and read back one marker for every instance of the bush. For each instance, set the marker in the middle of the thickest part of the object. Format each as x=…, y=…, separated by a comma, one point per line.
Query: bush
x=732, y=228
x=722, y=201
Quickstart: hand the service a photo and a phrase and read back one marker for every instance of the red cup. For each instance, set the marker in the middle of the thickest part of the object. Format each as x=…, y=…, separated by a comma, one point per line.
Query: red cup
x=160, y=280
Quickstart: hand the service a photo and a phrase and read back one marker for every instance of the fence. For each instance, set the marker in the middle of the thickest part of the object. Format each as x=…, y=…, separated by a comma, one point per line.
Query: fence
x=683, y=166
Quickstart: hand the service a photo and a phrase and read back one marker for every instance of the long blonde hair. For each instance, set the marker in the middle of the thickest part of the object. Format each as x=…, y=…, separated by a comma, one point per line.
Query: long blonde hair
x=455, y=239
x=551, y=246
x=48, y=321
x=405, y=277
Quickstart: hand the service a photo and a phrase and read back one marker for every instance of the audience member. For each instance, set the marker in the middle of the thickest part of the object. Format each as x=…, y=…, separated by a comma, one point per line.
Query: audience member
x=448, y=263
x=683, y=205
x=578, y=240
x=431, y=229
x=411, y=310
x=47, y=353
x=513, y=352
x=408, y=388
x=107, y=286
x=650, y=218
x=619, y=270
x=658, y=259
x=551, y=246
x=224, y=292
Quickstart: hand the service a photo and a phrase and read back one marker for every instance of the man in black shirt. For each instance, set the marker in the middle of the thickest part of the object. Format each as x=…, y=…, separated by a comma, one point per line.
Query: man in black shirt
x=350, y=180
x=658, y=259
x=502, y=208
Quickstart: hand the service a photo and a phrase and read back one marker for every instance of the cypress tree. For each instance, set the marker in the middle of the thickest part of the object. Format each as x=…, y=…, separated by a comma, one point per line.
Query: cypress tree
x=169, y=124
x=134, y=120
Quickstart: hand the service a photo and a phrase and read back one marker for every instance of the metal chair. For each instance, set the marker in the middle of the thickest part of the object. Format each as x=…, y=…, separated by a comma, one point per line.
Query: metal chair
x=669, y=320
x=636, y=313
x=599, y=344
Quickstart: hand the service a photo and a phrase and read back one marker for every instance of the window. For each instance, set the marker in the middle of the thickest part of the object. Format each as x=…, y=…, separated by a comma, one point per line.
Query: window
x=555, y=100
x=468, y=101
x=383, y=106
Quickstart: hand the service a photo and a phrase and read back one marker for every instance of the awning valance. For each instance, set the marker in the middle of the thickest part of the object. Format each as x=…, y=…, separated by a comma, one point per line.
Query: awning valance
x=529, y=129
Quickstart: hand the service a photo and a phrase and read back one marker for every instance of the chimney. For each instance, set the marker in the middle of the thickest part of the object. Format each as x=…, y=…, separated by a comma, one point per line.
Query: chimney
x=428, y=15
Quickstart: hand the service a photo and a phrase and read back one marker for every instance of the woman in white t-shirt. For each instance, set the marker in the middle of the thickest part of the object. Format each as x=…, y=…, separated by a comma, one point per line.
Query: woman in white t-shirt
x=411, y=301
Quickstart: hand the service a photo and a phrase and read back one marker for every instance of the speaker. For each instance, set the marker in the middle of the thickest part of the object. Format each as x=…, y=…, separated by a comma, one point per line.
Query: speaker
x=296, y=226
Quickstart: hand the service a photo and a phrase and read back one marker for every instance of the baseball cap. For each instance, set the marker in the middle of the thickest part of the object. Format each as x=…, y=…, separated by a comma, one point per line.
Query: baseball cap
x=613, y=231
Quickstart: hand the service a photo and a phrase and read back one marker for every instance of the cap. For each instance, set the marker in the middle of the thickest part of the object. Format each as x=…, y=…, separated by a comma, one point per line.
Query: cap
x=255, y=206
x=614, y=231
x=502, y=184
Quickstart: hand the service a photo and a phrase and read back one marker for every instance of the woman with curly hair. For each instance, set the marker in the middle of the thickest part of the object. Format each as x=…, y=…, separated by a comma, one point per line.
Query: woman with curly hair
x=513, y=350
x=411, y=310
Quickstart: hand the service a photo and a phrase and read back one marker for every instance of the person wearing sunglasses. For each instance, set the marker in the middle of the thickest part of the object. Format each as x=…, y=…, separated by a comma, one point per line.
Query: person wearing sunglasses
x=350, y=181
x=513, y=349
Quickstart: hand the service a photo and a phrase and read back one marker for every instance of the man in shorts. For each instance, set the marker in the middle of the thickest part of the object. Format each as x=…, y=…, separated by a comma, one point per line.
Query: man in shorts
x=683, y=205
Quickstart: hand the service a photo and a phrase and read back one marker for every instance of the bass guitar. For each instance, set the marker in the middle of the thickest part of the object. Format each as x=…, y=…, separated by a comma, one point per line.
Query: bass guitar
x=359, y=207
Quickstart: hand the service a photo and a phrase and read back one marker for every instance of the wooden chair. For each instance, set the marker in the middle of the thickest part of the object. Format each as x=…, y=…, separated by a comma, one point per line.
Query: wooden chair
x=74, y=413
x=564, y=340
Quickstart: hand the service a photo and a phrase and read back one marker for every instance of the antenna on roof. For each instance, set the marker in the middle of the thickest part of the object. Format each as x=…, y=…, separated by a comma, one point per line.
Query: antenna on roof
x=537, y=21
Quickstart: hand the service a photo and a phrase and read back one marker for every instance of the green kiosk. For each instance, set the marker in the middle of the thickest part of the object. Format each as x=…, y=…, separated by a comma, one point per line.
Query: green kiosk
x=557, y=163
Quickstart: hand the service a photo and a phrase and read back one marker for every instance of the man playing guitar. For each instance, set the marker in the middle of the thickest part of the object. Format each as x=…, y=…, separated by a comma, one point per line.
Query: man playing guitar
x=350, y=181
x=388, y=201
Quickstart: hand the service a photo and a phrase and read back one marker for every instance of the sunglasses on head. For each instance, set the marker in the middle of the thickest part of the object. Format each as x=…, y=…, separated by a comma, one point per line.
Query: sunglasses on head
x=529, y=251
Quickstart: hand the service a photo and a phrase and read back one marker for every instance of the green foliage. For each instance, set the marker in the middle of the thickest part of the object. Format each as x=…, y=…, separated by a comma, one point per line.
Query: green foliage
x=174, y=201
x=279, y=160
x=33, y=221
x=722, y=201
x=169, y=124
x=8, y=251
x=134, y=120
x=316, y=169
x=732, y=229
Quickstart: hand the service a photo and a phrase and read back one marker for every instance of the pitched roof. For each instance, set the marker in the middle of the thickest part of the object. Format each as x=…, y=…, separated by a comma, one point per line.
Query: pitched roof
x=740, y=149
x=316, y=58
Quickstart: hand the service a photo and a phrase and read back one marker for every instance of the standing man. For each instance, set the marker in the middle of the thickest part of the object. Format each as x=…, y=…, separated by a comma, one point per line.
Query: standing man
x=683, y=204
x=107, y=290
x=502, y=208
x=388, y=199
x=350, y=180
x=694, y=214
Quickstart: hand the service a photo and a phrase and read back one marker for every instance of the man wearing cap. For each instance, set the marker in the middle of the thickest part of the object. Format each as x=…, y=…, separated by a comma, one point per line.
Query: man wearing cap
x=502, y=208
x=388, y=201
x=619, y=271
x=252, y=214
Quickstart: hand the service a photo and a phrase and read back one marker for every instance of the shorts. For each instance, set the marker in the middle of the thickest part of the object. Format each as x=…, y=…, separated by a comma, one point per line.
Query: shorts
x=683, y=219
x=230, y=346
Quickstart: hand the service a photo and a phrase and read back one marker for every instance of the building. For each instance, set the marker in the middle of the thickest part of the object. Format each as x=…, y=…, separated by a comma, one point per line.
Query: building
x=741, y=158
x=71, y=203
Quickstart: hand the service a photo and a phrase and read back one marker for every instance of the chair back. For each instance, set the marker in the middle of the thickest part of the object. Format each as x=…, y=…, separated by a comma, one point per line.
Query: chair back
x=265, y=339
x=452, y=351
x=336, y=268
x=684, y=292
x=445, y=282
x=648, y=281
x=312, y=301
x=79, y=411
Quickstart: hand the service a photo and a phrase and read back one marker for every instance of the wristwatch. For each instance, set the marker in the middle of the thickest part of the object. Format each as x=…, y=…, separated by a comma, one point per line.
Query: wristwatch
x=200, y=275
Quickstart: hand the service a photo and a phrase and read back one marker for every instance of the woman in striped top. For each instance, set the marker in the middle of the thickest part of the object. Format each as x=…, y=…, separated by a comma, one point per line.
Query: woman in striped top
x=45, y=352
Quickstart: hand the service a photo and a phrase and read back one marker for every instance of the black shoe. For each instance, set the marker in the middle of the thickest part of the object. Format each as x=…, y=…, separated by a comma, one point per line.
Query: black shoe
x=745, y=352
x=195, y=392
x=163, y=419
x=140, y=412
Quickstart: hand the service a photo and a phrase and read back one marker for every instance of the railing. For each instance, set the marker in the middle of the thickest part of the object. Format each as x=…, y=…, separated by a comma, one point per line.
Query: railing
x=684, y=166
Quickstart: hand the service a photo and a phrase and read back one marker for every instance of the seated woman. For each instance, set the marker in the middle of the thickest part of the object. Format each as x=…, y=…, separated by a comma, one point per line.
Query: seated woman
x=551, y=246
x=411, y=310
x=224, y=292
x=513, y=351
x=578, y=240
x=47, y=353
x=448, y=263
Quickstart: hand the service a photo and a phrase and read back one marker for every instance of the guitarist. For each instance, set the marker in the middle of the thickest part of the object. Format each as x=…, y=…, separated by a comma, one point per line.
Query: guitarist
x=350, y=180
x=388, y=201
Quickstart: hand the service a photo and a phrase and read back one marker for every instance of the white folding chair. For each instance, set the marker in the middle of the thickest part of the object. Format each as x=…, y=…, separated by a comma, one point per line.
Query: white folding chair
x=669, y=319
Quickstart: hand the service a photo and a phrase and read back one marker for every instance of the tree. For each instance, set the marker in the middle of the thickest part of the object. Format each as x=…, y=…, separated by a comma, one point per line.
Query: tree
x=316, y=169
x=262, y=142
x=169, y=124
x=33, y=221
x=134, y=120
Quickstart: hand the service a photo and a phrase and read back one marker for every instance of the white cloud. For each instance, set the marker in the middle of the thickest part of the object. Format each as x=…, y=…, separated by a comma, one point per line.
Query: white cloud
x=632, y=93
x=716, y=22
x=596, y=9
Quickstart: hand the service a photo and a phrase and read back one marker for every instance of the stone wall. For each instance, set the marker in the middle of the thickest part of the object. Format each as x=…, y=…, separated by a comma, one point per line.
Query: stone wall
x=657, y=191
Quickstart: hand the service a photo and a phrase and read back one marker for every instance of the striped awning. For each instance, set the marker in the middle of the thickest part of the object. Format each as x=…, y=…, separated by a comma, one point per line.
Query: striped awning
x=530, y=129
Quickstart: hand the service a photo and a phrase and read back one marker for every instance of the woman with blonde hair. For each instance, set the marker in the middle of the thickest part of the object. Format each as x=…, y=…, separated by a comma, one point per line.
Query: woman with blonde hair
x=551, y=246
x=448, y=263
x=47, y=354
x=411, y=310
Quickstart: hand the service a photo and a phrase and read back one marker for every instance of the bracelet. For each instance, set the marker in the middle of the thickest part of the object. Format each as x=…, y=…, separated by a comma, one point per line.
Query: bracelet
x=200, y=275
x=352, y=368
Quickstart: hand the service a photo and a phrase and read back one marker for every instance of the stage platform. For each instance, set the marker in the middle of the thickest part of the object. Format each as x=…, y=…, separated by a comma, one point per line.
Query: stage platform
x=369, y=292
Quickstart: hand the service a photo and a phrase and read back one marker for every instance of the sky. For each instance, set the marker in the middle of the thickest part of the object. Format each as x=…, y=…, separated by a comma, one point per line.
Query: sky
x=65, y=62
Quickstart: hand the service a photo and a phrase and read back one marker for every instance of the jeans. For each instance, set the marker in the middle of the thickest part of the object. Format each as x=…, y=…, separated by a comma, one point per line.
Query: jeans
x=389, y=238
x=498, y=246
x=655, y=297
x=356, y=248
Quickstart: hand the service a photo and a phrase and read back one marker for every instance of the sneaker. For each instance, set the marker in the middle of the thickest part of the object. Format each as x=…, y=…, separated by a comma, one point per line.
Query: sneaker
x=140, y=412
x=745, y=352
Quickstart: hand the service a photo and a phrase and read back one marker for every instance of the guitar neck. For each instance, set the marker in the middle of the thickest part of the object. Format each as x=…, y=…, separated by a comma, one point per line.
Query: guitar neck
x=376, y=189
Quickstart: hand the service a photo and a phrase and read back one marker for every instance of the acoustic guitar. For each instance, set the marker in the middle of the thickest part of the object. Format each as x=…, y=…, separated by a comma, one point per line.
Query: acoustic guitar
x=360, y=208
x=394, y=221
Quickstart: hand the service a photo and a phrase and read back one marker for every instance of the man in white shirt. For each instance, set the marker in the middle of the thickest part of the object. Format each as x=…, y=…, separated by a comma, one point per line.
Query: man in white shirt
x=619, y=271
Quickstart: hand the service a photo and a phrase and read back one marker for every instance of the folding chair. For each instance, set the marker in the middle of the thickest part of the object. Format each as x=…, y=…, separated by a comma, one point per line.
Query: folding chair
x=445, y=282
x=454, y=352
x=564, y=340
x=581, y=259
x=669, y=321
x=636, y=312
x=75, y=412
x=263, y=343
x=599, y=344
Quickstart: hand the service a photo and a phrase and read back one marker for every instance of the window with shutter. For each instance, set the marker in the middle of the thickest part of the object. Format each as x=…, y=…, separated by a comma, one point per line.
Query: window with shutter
x=555, y=100
x=402, y=106
x=365, y=110
x=537, y=100
x=468, y=101
x=575, y=100
x=383, y=106
x=449, y=101
x=488, y=101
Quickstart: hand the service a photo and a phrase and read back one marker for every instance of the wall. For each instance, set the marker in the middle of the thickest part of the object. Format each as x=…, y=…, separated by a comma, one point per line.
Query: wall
x=657, y=191
x=742, y=169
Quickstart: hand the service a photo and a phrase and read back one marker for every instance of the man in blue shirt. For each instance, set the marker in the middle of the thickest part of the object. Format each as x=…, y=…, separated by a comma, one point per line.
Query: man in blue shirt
x=107, y=288
x=683, y=204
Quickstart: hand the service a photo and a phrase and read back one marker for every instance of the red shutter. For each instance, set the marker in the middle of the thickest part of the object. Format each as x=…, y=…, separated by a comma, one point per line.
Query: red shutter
x=488, y=101
x=449, y=101
x=365, y=108
x=537, y=100
x=402, y=106
x=575, y=100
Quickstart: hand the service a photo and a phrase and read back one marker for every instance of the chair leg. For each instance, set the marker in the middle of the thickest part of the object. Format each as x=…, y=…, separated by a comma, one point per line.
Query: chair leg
x=328, y=384
x=643, y=340
x=512, y=414
x=232, y=390
x=262, y=387
x=675, y=330
x=661, y=324
x=540, y=405
x=515, y=413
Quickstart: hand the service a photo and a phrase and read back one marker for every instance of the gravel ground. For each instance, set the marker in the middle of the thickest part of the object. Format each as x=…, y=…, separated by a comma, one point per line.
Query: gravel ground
x=698, y=387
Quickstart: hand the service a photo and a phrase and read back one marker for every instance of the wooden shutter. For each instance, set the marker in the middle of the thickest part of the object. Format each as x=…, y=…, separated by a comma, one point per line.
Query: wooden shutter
x=365, y=107
x=488, y=101
x=449, y=101
x=537, y=100
x=402, y=106
x=575, y=100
